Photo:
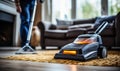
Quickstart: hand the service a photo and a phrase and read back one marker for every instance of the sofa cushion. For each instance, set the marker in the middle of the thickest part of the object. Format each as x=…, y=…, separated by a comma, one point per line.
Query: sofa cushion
x=83, y=21
x=99, y=20
x=110, y=29
x=73, y=33
x=87, y=25
x=56, y=33
x=108, y=32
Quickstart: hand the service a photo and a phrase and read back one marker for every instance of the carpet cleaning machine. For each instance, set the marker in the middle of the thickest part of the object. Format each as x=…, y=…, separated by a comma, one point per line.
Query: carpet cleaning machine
x=85, y=47
x=27, y=46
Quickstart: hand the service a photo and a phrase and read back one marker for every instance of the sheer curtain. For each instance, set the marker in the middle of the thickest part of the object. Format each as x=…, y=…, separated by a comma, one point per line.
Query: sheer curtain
x=47, y=10
x=73, y=9
x=53, y=9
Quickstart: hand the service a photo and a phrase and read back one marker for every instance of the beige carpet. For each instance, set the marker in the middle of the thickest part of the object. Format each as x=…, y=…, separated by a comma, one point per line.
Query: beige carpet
x=113, y=59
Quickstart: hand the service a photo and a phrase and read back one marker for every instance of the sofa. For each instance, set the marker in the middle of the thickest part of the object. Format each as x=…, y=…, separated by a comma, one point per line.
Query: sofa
x=51, y=35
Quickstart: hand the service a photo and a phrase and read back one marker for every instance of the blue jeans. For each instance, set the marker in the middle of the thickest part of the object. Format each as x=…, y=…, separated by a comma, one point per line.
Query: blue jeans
x=26, y=14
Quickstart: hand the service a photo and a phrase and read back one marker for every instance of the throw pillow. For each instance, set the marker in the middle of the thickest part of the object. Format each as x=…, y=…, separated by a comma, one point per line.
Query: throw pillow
x=63, y=24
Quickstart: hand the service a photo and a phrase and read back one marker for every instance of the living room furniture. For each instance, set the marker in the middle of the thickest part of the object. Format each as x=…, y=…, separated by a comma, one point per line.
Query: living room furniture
x=117, y=26
x=51, y=35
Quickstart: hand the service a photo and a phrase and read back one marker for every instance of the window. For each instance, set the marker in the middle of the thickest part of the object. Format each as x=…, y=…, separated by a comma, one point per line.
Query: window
x=88, y=8
x=114, y=7
x=61, y=9
x=79, y=9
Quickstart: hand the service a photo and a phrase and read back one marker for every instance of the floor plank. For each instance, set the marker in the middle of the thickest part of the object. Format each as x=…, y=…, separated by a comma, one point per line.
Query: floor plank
x=12, y=65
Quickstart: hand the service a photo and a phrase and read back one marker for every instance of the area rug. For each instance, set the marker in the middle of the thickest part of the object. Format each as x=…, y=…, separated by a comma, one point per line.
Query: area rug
x=113, y=59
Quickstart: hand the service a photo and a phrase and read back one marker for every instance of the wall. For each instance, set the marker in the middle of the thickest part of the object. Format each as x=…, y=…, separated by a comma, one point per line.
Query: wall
x=9, y=7
x=38, y=13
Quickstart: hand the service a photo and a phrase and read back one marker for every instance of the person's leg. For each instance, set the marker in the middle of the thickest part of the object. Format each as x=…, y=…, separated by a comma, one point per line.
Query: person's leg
x=27, y=10
x=25, y=20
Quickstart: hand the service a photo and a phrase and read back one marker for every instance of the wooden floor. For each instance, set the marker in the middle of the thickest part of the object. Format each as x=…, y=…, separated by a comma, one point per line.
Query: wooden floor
x=12, y=65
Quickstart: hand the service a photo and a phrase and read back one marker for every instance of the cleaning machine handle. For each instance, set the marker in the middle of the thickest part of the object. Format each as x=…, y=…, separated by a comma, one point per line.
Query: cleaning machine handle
x=101, y=27
x=31, y=22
